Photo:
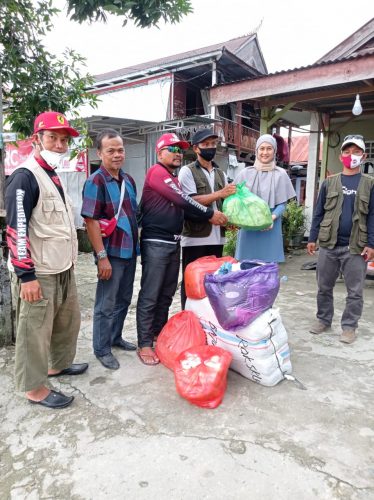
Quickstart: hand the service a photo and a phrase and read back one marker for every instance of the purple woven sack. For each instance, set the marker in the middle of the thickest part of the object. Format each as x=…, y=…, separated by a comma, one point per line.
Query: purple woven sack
x=238, y=297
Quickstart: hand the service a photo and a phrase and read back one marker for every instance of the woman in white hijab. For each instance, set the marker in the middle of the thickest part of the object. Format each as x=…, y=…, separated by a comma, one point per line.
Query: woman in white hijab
x=272, y=184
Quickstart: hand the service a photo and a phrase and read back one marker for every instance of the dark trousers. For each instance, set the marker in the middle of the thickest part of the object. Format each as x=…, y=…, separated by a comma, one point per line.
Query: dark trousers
x=160, y=270
x=353, y=267
x=113, y=298
x=189, y=254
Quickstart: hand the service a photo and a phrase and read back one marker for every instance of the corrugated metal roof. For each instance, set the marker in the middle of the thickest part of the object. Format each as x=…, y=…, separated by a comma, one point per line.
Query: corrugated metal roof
x=357, y=42
x=301, y=68
x=352, y=44
x=231, y=45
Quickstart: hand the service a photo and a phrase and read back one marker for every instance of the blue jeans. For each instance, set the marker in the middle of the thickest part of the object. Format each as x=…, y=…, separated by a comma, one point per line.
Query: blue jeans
x=112, y=301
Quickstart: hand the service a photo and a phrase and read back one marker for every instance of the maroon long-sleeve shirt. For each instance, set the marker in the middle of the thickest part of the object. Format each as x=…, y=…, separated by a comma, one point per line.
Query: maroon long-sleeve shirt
x=163, y=206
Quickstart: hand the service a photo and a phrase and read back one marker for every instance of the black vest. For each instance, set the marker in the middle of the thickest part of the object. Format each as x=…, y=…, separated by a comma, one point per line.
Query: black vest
x=202, y=229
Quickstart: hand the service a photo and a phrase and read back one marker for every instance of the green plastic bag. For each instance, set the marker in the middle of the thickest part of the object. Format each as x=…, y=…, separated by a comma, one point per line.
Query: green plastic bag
x=247, y=210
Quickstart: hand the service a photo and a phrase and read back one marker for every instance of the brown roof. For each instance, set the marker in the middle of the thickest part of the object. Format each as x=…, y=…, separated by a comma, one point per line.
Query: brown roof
x=360, y=42
x=231, y=46
x=356, y=46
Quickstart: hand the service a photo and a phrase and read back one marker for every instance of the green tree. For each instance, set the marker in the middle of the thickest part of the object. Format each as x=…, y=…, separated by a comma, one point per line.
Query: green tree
x=32, y=80
x=144, y=13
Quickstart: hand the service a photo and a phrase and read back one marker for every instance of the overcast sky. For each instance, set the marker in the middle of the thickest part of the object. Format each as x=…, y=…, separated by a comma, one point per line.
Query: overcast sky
x=293, y=33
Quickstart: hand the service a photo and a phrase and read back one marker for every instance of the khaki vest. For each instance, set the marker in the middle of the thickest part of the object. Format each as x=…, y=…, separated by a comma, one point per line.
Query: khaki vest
x=201, y=229
x=328, y=233
x=52, y=234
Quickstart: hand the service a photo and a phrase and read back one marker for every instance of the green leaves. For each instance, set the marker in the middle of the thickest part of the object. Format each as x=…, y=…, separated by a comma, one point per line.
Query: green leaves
x=144, y=13
x=33, y=80
x=293, y=220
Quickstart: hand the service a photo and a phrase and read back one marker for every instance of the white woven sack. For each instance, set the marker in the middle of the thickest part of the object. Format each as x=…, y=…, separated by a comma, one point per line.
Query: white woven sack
x=260, y=351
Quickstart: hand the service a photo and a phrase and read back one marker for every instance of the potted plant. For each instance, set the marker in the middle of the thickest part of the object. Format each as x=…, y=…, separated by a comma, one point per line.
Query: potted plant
x=231, y=237
x=293, y=224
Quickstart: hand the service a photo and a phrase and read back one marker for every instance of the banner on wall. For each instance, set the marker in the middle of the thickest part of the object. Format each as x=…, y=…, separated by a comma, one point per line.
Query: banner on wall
x=17, y=153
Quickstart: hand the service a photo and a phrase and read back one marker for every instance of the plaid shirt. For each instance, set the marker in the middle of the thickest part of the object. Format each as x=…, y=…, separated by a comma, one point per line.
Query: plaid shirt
x=101, y=196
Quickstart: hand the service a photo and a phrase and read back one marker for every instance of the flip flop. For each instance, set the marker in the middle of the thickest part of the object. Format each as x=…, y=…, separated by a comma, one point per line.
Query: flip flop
x=142, y=358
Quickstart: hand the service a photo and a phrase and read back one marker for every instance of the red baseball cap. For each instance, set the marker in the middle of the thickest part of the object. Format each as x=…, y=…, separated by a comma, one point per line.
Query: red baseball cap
x=170, y=140
x=50, y=120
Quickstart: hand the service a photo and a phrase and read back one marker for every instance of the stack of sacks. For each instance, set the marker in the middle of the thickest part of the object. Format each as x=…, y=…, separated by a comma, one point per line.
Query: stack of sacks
x=248, y=327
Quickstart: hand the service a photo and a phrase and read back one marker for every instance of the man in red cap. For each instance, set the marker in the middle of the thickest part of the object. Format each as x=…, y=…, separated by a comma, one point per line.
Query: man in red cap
x=43, y=250
x=162, y=210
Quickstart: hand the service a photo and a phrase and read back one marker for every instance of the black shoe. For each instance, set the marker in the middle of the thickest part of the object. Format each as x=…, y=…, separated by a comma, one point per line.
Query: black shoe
x=74, y=369
x=54, y=400
x=109, y=361
x=126, y=346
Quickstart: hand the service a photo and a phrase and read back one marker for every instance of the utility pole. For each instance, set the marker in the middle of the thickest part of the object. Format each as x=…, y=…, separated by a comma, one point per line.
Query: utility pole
x=6, y=312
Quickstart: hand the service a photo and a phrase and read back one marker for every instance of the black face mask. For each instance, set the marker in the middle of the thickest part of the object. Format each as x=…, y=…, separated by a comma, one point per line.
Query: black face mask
x=208, y=153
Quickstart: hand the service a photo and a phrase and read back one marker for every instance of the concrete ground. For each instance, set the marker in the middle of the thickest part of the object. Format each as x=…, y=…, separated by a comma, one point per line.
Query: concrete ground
x=128, y=435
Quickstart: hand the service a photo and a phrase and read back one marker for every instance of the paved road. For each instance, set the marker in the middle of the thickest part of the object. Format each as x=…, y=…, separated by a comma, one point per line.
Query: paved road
x=128, y=434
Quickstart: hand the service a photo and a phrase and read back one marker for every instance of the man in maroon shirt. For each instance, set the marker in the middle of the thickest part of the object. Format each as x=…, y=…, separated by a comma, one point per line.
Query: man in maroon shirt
x=162, y=210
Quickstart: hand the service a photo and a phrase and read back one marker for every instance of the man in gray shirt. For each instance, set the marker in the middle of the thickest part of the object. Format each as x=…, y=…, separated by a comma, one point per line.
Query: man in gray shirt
x=204, y=181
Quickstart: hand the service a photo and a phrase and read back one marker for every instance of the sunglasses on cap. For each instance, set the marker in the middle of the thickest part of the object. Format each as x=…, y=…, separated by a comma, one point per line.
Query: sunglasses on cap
x=356, y=136
x=174, y=149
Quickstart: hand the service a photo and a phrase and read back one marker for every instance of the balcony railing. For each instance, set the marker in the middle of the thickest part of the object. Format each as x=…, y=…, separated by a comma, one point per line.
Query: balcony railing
x=242, y=138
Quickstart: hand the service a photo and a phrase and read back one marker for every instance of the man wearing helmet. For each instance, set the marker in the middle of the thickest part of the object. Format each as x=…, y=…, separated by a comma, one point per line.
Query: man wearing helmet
x=43, y=249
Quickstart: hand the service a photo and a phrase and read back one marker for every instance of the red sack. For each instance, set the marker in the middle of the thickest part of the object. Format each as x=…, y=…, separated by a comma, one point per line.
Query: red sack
x=201, y=375
x=196, y=270
x=182, y=331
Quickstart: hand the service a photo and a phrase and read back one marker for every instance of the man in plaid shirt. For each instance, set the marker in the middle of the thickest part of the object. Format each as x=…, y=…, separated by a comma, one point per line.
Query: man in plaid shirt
x=115, y=249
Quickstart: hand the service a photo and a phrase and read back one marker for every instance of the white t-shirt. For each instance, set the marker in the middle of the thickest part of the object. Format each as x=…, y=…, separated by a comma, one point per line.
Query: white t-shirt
x=188, y=186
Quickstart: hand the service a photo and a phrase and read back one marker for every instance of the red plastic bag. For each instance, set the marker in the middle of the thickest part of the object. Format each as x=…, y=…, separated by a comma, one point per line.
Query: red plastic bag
x=201, y=375
x=196, y=270
x=182, y=331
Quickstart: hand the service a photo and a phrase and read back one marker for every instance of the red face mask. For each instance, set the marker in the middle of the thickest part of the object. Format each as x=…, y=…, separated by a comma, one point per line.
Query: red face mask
x=351, y=161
